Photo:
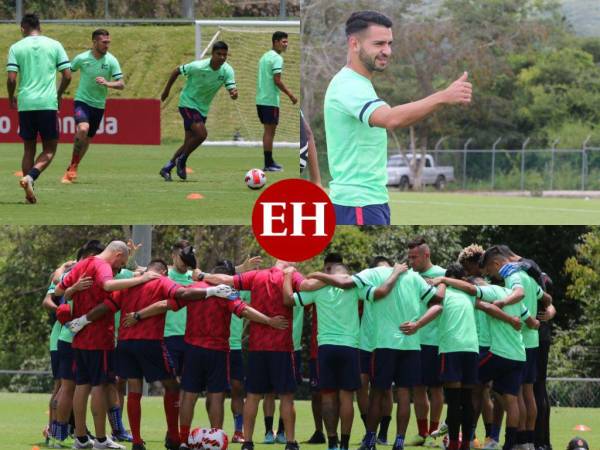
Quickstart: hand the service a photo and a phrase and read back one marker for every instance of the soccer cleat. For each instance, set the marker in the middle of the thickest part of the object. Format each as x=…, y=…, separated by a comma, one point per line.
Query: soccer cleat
x=166, y=174
x=70, y=175
x=87, y=444
x=238, y=437
x=122, y=436
x=140, y=447
x=491, y=444
x=108, y=443
x=180, y=165
x=170, y=444
x=364, y=446
x=183, y=447
x=269, y=438
x=317, y=438
x=27, y=185
x=247, y=446
x=54, y=443
x=274, y=167
x=441, y=431
x=430, y=442
x=475, y=444
x=292, y=446
x=397, y=447
x=416, y=440
x=382, y=440
x=280, y=438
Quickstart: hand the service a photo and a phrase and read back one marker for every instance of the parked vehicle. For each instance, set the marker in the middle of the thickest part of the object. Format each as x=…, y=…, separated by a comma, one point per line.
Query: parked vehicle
x=399, y=172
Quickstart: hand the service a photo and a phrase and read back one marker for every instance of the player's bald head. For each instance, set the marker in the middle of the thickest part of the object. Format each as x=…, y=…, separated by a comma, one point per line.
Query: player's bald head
x=359, y=21
x=118, y=247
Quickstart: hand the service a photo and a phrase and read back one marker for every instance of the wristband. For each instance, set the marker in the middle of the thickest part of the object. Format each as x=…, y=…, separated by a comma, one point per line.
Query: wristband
x=136, y=316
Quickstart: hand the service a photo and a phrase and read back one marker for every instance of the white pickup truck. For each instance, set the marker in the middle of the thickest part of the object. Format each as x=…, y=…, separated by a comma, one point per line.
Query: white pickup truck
x=399, y=172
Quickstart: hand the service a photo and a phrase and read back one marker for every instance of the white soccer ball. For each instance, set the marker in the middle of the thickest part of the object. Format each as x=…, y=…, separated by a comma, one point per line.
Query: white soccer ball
x=215, y=439
x=195, y=437
x=255, y=179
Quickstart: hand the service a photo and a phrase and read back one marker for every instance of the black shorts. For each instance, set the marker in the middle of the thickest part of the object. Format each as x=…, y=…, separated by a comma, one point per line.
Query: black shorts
x=314, y=375
x=144, y=358
x=505, y=373
x=205, y=370
x=66, y=363
x=44, y=122
x=271, y=372
x=236, y=365
x=365, y=361
x=191, y=116
x=402, y=367
x=298, y=366
x=54, y=364
x=268, y=115
x=531, y=366
x=459, y=366
x=339, y=368
x=362, y=215
x=94, y=367
x=430, y=366
x=176, y=347
x=88, y=114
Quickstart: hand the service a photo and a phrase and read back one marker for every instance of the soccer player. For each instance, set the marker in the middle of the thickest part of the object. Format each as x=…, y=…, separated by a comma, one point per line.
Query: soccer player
x=339, y=357
x=36, y=59
x=93, y=347
x=419, y=259
x=98, y=67
x=204, y=78
x=308, y=152
x=356, y=120
x=268, y=85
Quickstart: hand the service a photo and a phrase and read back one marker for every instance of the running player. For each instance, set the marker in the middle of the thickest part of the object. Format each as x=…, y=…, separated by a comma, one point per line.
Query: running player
x=356, y=120
x=98, y=67
x=204, y=78
x=268, y=85
x=36, y=59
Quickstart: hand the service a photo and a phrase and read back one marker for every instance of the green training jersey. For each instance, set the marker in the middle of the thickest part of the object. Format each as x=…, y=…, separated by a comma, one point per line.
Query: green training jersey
x=457, y=328
x=483, y=328
x=505, y=340
x=236, y=327
x=356, y=151
x=202, y=83
x=337, y=310
x=297, y=327
x=267, y=92
x=37, y=59
x=89, y=91
x=533, y=292
x=57, y=325
x=366, y=339
x=401, y=305
x=123, y=274
x=175, y=320
x=429, y=333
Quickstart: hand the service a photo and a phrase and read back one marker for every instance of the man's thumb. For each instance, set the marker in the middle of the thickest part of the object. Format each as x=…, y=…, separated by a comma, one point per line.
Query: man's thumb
x=464, y=76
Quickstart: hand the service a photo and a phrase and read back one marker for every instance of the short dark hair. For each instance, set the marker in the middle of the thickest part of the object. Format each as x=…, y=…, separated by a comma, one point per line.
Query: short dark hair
x=417, y=241
x=333, y=258
x=225, y=266
x=455, y=270
x=220, y=45
x=91, y=247
x=99, y=32
x=379, y=259
x=31, y=20
x=493, y=252
x=186, y=252
x=278, y=35
x=158, y=263
x=181, y=244
x=361, y=20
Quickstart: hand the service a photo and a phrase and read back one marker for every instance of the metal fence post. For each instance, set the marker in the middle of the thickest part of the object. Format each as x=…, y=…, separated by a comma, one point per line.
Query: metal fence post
x=465, y=149
x=282, y=8
x=554, y=144
x=437, y=148
x=523, y=163
x=19, y=11
x=494, y=161
x=584, y=161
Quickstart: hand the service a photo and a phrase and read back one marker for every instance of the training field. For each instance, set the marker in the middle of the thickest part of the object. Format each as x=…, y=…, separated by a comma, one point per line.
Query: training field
x=22, y=417
x=120, y=184
x=434, y=208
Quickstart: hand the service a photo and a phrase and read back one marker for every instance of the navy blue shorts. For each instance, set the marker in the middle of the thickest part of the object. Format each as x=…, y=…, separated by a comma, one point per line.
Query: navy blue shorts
x=298, y=366
x=66, y=366
x=430, y=366
x=144, y=358
x=365, y=361
x=190, y=116
x=268, y=114
x=54, y=364
x=236, y=365
x=88, y=114
x=530, y=369
x=402, y=367
x=459, y=366
x=339, y=368
x=365, y=215
x=44, y=122
x=205, y=370
x=94, y=367
x=271, y=372
x=505, y=373
x=314, y=375
x=176, y=347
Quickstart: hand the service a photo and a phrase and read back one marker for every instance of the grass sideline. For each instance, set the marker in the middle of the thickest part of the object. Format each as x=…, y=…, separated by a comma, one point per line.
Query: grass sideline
x=23, y=416
x=120, y=184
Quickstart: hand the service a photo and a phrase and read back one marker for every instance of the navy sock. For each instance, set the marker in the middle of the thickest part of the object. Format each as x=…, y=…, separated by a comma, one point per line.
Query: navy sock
x=239, y=421
x=399, y=442
x=510, y=438
x=332, y=441
x=345, y=441
x=370, y=438
x=383, y=427
x=115, y=419
x=268, y=158
x=268, y=424
x=280, y=426
x=34, y=173
x=495, y=433
x=169, y=166
x=488, y=429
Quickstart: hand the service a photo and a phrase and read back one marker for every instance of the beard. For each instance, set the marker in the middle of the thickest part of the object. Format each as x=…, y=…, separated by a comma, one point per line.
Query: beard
x=369, y=61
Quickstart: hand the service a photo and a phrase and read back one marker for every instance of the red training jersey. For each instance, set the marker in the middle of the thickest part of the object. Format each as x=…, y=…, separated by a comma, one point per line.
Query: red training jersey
x=266, y=287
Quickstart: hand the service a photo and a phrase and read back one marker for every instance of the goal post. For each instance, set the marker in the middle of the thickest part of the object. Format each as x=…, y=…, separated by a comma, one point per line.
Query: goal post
x=248, y=40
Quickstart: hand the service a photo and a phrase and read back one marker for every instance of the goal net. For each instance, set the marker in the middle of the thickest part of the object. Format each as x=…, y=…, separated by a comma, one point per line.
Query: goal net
x=248, y=40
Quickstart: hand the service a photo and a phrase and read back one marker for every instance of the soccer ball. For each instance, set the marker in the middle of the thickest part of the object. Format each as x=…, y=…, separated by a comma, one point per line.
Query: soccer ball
x=195, y=437
x=215, y=439
x=255, y=179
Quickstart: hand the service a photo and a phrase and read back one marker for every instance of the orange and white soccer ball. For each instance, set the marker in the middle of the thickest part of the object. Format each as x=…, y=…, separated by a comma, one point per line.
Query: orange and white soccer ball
x=195, y=437
x=215, y=439
x=255, y=179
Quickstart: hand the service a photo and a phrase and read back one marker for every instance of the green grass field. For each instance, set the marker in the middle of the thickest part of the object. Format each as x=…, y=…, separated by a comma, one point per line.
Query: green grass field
x=120, y=184
x=23, y=416
x=434, y=208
